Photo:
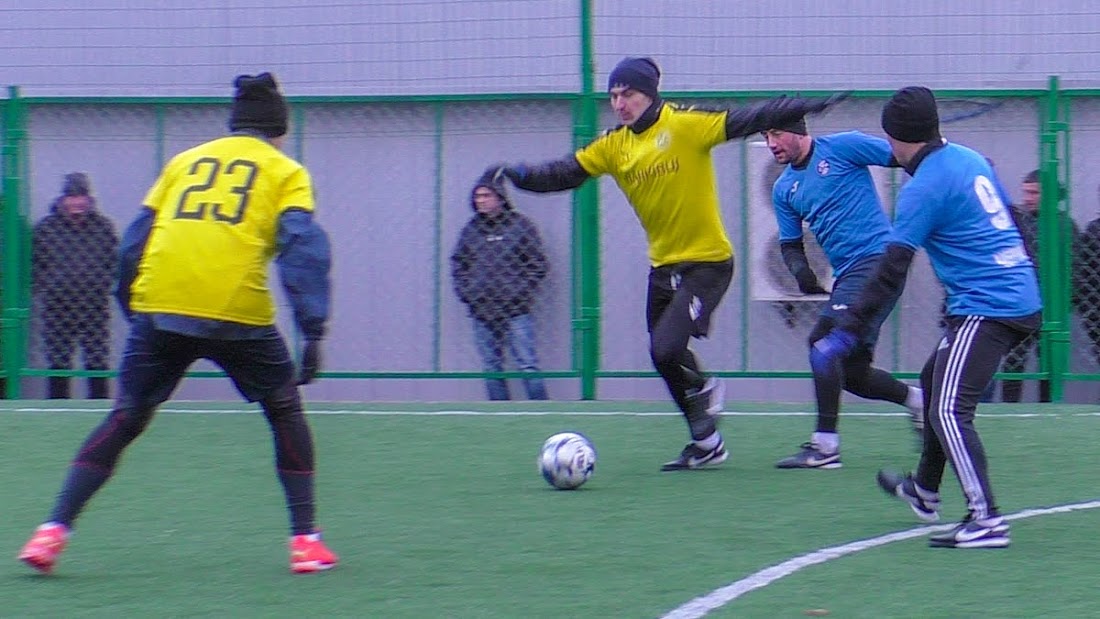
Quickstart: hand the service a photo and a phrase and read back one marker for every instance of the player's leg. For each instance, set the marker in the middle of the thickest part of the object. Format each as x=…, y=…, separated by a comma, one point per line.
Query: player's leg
x=974, y=349
x=521, y=344
x=921, y=491
x=152, y=365
x=58, y=342
x=489, y=339
x=95, y=342
x=822, y=451
x=262, y=371
x=861, y=378
x=1015, y=362
x=680, y=303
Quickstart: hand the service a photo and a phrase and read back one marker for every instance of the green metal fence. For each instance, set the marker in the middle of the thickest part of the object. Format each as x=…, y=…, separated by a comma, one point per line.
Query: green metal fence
x=1051, y=106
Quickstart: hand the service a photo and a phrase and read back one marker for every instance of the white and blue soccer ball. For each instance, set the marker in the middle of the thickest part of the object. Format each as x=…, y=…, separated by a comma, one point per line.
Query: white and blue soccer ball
x=567, y=460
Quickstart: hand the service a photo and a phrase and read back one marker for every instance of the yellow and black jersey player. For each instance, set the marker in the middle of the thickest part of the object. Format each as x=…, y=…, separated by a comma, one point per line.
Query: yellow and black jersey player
x=193, y=283
x=660, y=156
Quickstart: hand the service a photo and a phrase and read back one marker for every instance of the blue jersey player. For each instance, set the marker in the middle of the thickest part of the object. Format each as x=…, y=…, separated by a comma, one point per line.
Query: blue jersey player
x=827, y=185
x=952, y=208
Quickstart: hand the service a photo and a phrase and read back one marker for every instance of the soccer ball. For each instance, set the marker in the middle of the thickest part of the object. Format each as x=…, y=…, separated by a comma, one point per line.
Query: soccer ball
x=567, y=460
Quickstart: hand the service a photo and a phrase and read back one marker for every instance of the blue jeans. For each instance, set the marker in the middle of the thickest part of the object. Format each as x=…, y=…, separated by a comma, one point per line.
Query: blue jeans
x=518, y=332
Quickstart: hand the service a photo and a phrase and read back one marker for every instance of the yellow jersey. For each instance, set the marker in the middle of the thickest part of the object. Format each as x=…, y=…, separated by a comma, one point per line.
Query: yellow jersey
x=668, y=177
x=217, y=209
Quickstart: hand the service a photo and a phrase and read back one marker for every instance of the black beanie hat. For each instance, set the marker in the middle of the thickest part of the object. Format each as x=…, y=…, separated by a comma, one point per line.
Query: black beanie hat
x=910, y=115
x=258, y=105
x=797, y=126
x=76, y=184
x=641, y=74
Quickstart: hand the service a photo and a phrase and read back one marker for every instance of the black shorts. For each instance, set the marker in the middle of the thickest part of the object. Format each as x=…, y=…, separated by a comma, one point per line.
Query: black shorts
x=697, y=286
x=154, y=363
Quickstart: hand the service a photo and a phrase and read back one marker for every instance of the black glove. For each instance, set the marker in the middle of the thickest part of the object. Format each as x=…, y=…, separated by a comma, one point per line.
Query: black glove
x=824, y=104
x=812, y=288
x=514, y=173
x=807, y=282
x=311, y=362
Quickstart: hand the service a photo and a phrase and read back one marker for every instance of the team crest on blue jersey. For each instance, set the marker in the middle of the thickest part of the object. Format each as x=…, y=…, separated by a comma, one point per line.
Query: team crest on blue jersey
x=823, y=167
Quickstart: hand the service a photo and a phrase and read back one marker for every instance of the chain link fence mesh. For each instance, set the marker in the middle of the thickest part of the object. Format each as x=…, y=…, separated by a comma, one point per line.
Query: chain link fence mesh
x=394, y=184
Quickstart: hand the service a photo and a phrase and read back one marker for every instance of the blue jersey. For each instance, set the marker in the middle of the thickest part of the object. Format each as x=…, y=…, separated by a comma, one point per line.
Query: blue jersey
x=954, y=208
x=835, y=194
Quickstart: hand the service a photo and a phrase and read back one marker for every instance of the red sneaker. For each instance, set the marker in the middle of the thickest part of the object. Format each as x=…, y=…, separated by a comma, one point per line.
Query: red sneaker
x=42, y=550
x=309, y=554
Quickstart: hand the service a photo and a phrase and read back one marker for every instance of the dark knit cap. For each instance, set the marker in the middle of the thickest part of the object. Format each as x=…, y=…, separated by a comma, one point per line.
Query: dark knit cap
x=641, y=74
x=798, y=126
x=910, y=115
x=76, y=184
x=258, y=105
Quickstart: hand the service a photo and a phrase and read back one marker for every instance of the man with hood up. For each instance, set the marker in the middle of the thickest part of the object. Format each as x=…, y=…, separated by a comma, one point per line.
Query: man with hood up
x=497, y=266
x=73, y=262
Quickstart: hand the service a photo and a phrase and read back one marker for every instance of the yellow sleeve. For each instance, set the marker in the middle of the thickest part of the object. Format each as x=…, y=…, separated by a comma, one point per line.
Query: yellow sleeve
x=709, y=127
x=154, y=199
x=596, y=158
x=297, y=191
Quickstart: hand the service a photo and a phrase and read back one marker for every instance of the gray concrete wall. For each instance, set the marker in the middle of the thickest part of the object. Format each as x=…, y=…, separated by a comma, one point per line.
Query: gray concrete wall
x=370, y=47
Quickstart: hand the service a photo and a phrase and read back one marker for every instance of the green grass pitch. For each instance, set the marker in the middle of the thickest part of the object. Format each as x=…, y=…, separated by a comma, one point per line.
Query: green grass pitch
x=445, y=515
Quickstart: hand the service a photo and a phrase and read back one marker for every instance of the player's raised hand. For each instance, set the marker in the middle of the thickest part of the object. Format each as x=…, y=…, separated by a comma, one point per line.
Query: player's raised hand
x=834, y=99
x=311, y=362
x=514, y=173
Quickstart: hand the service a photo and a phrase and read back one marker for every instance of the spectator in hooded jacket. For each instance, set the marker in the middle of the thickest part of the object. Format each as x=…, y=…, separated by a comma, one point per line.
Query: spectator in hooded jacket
x=497, y=266
x=73, y=266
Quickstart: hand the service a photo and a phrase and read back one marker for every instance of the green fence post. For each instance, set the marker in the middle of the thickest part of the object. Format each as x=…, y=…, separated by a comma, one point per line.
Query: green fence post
x=586, y=221
x=1054, y=262
x=14, y=313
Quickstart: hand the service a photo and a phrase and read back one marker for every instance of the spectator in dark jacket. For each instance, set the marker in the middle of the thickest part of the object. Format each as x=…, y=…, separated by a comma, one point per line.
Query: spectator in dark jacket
x=1026, y=218
x=73, y=264
x=1086, y=283
x=497, y=266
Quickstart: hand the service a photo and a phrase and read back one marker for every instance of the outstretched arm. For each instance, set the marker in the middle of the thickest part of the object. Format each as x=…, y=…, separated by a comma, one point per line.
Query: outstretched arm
x=558, y=175
x=744, y=121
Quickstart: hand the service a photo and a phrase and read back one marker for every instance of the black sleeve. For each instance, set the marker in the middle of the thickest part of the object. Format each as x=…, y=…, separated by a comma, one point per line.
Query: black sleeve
x=460, y=267
x=889, y=278
x=794, y=256
x=535, y=259
x=747, y=120
x=1086, y=269
x=38, y=257
x=557, y=175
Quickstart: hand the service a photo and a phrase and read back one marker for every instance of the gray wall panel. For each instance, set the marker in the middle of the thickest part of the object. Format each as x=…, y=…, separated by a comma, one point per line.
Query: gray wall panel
x=795, y=44
x=477, y=46
x=368, y=47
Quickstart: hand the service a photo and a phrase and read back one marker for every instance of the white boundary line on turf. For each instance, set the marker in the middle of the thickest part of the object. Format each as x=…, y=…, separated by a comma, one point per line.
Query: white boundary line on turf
x=469, y=413
x=718, y=598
